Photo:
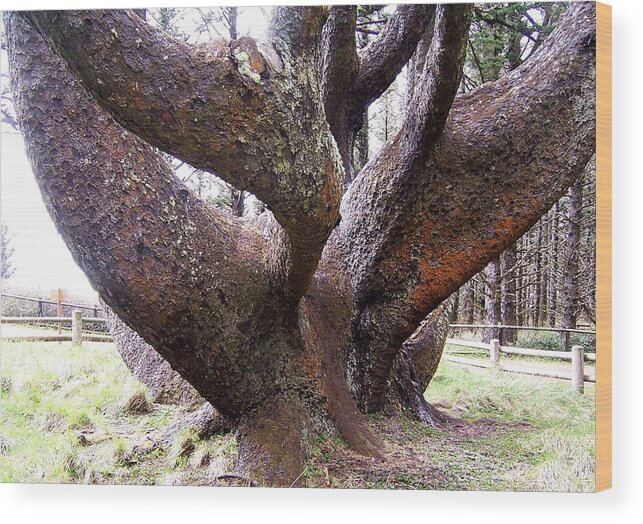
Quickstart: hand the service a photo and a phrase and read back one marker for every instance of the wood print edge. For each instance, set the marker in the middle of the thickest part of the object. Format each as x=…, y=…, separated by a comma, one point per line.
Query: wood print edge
x=604, y=246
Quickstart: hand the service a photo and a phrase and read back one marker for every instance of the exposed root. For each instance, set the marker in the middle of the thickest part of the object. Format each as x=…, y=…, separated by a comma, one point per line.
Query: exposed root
x=137, y=403
x=202, y=423
x=232, y=476
x=271, y=444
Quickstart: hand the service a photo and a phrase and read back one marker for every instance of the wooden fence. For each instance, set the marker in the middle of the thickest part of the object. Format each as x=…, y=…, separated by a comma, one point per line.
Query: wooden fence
x=577, y=356
x=77, y=335
x=58, y=302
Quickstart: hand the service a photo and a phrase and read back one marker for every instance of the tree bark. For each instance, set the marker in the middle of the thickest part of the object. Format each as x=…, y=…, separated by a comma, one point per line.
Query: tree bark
x=492, y=300
x=570, y=297
x=296, y=322
x=165, y=385
x=508, y=291
x=553, y=268
x=416, y=364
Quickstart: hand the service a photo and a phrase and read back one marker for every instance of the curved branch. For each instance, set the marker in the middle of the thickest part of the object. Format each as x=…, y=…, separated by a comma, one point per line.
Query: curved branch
x=508, y=152
x=339, y=65
x=187, y=278
x=433, y=95
x=221, y=109
x=383, y=60
x=350, y=86
x=296, y=29
x=192, y=102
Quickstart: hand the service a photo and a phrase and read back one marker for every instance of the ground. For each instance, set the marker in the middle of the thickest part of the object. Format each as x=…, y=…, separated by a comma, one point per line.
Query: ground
x=77, y=415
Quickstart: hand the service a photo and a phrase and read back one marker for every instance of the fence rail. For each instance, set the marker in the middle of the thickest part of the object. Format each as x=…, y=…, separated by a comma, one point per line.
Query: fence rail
x=525, y=352
x=577, y=356
x=41, y=301
x=47, y=320
x=523, y=328
x=77, y=335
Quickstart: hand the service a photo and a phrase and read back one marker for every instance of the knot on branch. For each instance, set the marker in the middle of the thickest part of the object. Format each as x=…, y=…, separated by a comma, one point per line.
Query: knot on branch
x=249, y=60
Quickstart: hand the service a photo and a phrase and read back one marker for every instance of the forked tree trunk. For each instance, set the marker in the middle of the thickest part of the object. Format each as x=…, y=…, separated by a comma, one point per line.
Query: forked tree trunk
x=301, y=320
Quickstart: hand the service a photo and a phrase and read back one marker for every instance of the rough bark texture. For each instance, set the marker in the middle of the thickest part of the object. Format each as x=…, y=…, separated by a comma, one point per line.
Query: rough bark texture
x=165, y=385
x=508, y=316
x=295, y=322
x=570, y=282
x=415, y=365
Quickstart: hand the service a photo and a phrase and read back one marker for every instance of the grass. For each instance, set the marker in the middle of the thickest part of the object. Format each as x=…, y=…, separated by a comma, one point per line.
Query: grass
x=77, y=415
x=71, y=414
x=549, y=428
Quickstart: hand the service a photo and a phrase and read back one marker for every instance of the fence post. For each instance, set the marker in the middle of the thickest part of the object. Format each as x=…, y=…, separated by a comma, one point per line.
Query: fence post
x=494, y=352
x=77, y=328
x=40, y=314
x=578, y=373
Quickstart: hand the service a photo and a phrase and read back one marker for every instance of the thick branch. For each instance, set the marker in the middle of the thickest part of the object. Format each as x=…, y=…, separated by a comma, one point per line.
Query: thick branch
x=221, y=108
x=191, y=102
x=188, y=279
x=383, y=60
x=413, y=232
x=339, y=64
x=433, y=96
x=349, y=87
x=297, y=29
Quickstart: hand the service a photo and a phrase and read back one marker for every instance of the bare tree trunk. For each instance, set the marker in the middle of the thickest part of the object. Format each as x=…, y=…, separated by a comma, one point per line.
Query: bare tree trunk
x=544, y=235
x=537, y=290
x=361, y=145
x=508, y=306
x=492, y=308
x=570, y=288
x=553, y=268
x=416, y=364
x=292, y=324
x=471, y=302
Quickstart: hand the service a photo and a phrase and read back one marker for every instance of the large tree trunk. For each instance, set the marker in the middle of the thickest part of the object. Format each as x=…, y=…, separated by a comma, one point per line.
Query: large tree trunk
x=164, y=384
x=299, y=321
x=416, y=364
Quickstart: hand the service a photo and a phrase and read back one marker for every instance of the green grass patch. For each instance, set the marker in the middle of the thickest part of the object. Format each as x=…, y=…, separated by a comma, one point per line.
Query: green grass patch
x=549, y=428
x=71, y=414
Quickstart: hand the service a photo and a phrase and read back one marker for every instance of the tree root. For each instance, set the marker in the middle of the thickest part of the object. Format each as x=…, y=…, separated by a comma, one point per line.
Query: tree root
x=233, y=476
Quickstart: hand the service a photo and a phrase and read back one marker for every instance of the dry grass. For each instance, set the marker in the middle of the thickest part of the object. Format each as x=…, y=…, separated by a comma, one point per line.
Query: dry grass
x=137, y=403
x=77, y=415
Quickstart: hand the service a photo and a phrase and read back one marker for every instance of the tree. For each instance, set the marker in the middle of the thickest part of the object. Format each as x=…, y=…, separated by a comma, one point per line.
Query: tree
x=292, y=323
x=6, y=253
